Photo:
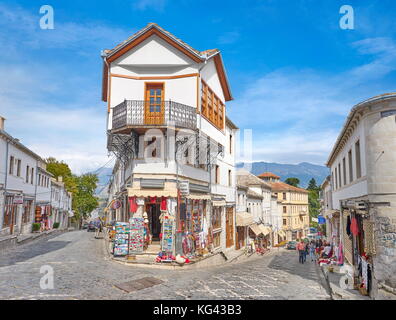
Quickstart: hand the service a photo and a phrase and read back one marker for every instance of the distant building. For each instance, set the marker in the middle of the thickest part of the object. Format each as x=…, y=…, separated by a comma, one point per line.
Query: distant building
x=293, y=202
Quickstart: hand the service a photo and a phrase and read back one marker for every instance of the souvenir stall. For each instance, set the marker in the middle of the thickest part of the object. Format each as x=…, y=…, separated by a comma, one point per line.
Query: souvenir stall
x=136, y=236
x=194, y=232
x=42, y=216
x=121, y=239
x=359, y=247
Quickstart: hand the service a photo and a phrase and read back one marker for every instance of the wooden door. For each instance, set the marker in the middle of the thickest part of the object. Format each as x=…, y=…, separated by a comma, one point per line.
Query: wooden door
x=154, y=104
x=229, y=226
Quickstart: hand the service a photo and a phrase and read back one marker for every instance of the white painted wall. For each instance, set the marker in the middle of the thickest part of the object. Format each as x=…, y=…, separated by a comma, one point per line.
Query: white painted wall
x=357, y=187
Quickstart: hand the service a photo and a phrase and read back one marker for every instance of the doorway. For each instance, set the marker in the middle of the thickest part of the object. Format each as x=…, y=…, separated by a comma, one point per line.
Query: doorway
x=154, y=212
x=154, y=105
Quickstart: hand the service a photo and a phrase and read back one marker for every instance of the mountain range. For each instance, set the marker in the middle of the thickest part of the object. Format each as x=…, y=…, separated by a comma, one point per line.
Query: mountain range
x=303, y=171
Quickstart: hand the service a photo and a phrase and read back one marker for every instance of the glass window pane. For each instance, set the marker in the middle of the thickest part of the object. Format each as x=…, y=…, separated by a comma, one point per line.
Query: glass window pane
x=152, y=92
x=151, y=109
x=159, y=100
x=151, y=100
x=159, y=92
x=158, y=108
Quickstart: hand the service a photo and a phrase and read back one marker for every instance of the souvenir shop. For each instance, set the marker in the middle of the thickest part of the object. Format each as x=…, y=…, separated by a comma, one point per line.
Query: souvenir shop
x=194, y=236
x=158, y=222
x=243, y=221
x=333, y=227
x=43, y=216
x=259, y=237
x=359, y=247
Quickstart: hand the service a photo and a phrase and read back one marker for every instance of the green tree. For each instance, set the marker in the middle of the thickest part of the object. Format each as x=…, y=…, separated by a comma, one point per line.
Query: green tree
x=84, y=200
x=313, y=201
x=293, y=181
x=312, y=185
x=62, y=169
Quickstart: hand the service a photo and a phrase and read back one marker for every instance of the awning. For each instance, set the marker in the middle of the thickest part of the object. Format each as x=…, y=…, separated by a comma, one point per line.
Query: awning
x=244, y=219
x=265, y=230
x=331, y=213
x=282, y=233
x=152, y=193
x=255, y=228
x=198, y=196
x=219, y=203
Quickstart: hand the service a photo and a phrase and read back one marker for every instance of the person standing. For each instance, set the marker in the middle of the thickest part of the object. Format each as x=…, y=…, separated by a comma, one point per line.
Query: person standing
x=312, y=248
x=301, y=251
x=306, y=251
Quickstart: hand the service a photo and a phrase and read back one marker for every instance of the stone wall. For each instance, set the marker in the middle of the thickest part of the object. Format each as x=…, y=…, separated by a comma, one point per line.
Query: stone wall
x=381, y=155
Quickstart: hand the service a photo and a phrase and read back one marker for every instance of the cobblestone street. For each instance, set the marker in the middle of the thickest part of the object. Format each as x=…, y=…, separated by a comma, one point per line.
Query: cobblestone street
x=82, y=271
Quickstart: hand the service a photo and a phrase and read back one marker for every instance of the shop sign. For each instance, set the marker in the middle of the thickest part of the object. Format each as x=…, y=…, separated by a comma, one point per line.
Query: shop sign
x=321, y=220
x=18, y=199
x=116, y=204
x=184, y=187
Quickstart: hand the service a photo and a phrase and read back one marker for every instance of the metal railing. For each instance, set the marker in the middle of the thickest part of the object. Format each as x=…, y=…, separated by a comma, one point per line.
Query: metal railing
x=133, y=113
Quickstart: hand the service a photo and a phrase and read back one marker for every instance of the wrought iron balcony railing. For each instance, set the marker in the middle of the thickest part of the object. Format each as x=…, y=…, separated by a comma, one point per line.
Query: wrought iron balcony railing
x=158, y=113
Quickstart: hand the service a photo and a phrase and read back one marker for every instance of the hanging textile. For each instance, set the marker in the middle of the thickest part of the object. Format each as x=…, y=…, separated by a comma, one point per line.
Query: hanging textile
x=171, y=206
x=340, y=255
x=163, y=203
x=348, y=226
x=132, y=204
x=354, y=227
x=153, y=200
x=364, y=273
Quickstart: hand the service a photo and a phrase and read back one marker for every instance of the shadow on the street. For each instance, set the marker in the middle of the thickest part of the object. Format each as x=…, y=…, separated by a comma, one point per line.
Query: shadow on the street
x=24, y=253
x=288, y=261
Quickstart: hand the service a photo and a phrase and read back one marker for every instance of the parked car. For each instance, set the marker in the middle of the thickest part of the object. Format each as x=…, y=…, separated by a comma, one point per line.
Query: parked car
x=91, y=226
x=85, y=225
x=291, y=245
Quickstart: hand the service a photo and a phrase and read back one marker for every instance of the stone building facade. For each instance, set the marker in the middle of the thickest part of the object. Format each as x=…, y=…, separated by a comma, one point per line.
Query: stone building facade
x=363, y=189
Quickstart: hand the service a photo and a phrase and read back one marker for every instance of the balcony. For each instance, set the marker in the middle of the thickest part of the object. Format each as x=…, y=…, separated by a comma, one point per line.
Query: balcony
x=140, y=113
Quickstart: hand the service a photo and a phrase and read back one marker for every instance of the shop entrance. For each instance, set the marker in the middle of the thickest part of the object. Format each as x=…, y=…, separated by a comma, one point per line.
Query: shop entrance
x=154, y=212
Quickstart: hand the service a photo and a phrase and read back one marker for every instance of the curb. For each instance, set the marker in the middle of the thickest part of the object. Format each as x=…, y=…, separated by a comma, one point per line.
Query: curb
x=325, y=279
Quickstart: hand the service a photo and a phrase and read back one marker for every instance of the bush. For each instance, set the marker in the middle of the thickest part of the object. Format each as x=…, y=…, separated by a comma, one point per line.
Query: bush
x=36, y=227
x=56, y=225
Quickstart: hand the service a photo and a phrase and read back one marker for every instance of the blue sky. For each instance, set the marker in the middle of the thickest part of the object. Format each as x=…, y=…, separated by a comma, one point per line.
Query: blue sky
x=294, y=73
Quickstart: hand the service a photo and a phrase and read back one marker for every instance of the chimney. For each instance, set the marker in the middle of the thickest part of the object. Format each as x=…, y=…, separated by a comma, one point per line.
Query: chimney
x=2, y=120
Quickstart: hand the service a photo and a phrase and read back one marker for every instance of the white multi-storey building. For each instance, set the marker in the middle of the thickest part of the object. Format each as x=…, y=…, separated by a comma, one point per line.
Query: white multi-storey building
x=258, y=203
x=25, y=187
x=61, y=205
x=363, y=193
x=168, y=127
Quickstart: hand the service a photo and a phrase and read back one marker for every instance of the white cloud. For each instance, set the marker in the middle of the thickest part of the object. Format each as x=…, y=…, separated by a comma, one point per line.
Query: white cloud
x=298, y=113
x=54, y=109
x=156, y=5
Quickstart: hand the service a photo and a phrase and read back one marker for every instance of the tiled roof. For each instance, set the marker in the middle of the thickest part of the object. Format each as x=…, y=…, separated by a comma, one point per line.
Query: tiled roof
x=281, y=186
x=245, y=178
x=268, y=175
x=253, y=194
x=150, y=25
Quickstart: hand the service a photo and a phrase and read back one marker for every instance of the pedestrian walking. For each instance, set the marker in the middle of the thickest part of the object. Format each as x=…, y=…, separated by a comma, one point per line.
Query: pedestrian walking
x=98, y=228
x=312, y=248
x=306, y=251
x=301, y=250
